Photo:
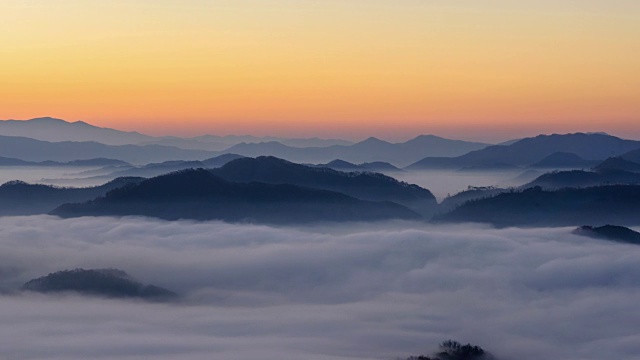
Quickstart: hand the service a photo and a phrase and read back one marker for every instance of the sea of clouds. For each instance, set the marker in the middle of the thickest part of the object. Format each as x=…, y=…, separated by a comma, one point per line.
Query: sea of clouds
x=358, y=291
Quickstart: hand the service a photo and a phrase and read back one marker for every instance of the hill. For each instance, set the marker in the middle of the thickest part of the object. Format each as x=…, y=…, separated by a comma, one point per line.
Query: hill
x=566, y=207
x=110, y=283
x=617, y=164
x=200, y=195
x=581, y=179
x=563, y=160
x=531, y=151
x=20, y=198
x=610, y=232
x=361, y=185
x=472, y=193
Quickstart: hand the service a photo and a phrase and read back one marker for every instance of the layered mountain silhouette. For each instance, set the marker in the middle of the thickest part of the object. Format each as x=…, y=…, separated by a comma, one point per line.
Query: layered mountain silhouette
x=361, y=185
x=220, y=143
x=58, y=130
x=53, y=139
x=617, y=164
x=537, y=207
x=369, y=150
x=614, y=170
x=581, y=179
x=199, y=194
x=20, y=198
x=36, y=150
x=155, y=169
x=112, y=283
x=532, y=151
x=610, y=232
x=376, y=166
x=75, y=163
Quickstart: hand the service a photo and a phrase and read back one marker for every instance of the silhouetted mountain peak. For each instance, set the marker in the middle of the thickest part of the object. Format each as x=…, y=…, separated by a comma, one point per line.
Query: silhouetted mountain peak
x=372, y=141
x=46, y=119
x=617, y=164
x=561, y=159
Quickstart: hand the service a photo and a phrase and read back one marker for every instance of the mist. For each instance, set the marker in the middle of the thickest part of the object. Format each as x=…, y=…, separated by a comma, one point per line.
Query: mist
x=450, y=182
x=358, y=291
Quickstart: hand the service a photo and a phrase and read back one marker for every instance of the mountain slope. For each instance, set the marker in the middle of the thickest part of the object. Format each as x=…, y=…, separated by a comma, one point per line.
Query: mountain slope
x=533, y=150
x=198, y=194
x=361, y=185
x=617, y=164
x=562, y=160
x=601, y=205
x=581, y=179
x=20, y=198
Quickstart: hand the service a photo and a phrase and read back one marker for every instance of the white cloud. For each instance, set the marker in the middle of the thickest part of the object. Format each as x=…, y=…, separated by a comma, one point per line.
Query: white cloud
x=324, y=292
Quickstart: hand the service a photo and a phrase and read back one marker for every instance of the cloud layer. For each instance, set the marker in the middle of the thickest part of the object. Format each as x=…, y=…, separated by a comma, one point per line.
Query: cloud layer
x=348, y=292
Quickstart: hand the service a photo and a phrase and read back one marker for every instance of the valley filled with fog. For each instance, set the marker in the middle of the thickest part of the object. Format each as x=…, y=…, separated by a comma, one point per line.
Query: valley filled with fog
x=348, y=291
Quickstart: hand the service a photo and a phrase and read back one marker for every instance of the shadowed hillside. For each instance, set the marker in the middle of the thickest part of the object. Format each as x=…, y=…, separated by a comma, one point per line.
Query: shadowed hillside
x=361, y=185
x=200, y=195
x=20, y=198
x=537, y=207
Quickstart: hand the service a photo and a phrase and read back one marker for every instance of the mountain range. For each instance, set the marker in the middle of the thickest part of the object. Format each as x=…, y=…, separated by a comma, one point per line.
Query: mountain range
x=362, y=185
x=369, y=150
x=200, y=195
x=58, y=130
x=64, y=141
x=532, y=151
x=28, y=149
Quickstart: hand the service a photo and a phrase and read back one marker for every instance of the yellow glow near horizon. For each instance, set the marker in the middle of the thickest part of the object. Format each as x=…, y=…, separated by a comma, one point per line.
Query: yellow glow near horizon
x=327, y=67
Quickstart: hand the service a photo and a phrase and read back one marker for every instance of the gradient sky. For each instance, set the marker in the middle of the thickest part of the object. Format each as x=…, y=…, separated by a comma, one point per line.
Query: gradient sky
x=472, y=69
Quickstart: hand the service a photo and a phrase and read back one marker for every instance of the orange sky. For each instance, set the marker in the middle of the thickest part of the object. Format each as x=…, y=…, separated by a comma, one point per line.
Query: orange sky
x=341, y=68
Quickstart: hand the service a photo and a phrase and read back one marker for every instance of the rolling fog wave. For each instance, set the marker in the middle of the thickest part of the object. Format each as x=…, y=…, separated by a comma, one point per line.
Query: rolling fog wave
x=334, y=292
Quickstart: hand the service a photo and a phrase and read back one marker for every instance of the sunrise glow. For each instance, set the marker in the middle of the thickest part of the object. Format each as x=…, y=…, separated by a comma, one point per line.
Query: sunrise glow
x=325, y=68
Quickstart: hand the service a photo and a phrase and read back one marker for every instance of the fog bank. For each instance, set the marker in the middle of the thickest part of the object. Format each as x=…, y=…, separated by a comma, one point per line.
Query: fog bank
x=334, y=292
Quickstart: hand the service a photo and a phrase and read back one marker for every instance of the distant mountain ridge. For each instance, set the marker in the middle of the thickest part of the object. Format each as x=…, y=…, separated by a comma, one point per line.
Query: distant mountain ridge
x=311, y=150
x=28, y=149
x=529, y=151
x=75, y=163
x=58, y=130
x=366, y=151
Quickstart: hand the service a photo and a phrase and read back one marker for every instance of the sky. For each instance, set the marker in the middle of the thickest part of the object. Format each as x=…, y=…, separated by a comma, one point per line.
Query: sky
x=483, y=70
x=342, y=292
